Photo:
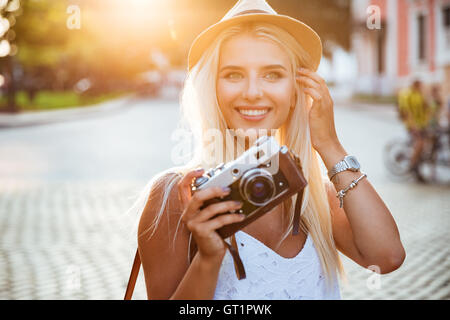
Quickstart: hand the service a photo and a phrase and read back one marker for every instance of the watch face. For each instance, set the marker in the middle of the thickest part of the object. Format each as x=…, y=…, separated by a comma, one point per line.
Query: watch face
x=352, y=162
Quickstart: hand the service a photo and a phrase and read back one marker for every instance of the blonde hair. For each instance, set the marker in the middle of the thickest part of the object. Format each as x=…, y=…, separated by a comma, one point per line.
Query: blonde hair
x=200, y=112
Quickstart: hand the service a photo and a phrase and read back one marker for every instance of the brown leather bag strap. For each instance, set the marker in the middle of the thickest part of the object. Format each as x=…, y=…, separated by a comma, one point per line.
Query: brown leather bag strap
x=133, y=276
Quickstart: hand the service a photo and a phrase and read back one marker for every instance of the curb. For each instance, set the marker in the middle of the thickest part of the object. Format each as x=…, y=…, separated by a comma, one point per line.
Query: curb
x=32, y=118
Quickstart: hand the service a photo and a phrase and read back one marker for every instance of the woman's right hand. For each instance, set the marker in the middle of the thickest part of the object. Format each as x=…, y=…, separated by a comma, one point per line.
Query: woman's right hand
x=209, y=243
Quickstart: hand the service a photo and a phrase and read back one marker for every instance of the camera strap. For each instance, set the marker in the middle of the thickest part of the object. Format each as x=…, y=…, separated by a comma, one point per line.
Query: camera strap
x=298, y=202
x=232, y=248
x=298, y=207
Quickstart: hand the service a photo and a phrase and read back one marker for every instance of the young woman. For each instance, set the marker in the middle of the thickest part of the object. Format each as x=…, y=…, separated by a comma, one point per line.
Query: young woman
x=255, y=70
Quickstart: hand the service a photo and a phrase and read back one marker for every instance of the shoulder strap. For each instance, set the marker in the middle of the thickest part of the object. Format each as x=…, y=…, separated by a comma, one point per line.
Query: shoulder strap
x=133, y=276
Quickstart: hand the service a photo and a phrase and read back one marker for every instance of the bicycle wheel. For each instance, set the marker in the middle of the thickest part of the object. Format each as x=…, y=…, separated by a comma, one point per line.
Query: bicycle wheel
x=397, y=157
x=435, y=167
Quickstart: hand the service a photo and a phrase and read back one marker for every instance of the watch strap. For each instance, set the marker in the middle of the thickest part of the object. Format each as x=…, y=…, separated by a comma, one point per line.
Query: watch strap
x=339, y=167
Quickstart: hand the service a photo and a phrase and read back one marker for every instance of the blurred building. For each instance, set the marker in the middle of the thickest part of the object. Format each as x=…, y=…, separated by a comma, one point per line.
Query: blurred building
x=411, y=40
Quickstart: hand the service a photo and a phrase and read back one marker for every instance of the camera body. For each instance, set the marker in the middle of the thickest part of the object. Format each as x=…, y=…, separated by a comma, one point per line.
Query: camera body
x=260, y=178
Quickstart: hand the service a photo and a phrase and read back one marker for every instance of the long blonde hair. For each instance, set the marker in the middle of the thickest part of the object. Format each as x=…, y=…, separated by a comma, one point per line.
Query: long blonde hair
x=200, y=113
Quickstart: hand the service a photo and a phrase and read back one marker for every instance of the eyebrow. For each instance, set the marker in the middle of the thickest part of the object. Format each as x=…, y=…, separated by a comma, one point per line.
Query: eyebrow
x=271, y=66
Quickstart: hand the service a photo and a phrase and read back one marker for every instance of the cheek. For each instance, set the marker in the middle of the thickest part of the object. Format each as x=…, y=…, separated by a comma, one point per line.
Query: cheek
x=284, y=89
x=226, y=92
x=285, y=97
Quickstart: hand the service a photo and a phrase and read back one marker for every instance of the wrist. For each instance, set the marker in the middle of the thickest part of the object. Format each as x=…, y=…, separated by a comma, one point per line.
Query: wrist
x=332, y=154
x=211, y=262
x=331, y=142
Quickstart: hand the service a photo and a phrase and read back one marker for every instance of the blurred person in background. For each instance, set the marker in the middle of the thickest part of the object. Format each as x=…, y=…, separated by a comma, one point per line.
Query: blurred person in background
x=415, y=114
x=436, y=104
x=435, y=126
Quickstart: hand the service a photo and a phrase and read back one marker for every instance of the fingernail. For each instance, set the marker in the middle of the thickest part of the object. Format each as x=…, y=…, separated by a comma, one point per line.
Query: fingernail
x=226, y=189
x=242, y=216
x=198, y=170
x=238, y=203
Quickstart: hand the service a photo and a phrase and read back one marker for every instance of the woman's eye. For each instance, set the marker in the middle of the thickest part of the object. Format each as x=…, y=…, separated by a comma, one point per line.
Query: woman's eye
x=274, y=73
x=230, y=74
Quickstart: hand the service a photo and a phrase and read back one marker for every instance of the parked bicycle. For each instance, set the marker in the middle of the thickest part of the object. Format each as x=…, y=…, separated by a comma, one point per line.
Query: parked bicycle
x=434, y=162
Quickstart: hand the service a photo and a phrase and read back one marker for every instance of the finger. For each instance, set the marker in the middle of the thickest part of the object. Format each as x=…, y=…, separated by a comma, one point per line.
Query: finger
x=313, y=93
x=184, y=185
x=224, y=220
x=308, y=82
x=311, y=74
x=216, y=208
x=201, y=196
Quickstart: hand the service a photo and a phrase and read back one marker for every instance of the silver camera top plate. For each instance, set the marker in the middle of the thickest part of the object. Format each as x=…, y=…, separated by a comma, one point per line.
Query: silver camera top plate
x=264, y=151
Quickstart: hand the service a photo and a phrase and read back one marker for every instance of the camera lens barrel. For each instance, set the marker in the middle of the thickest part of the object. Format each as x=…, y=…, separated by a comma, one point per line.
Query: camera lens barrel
x=257, y=186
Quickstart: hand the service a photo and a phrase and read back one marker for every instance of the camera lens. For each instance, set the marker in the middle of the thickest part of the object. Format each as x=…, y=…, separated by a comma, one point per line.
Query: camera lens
x=257, y=186
x=259, y=190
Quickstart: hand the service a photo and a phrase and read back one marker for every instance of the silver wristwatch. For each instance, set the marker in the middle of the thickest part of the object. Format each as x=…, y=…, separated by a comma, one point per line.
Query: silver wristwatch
x=349, y=163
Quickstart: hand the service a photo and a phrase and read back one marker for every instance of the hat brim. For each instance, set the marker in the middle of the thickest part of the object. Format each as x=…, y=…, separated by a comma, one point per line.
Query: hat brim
x=305, y=36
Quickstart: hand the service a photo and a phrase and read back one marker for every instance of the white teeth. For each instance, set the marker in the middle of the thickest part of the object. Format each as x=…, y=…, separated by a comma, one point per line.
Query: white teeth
x=253, y=112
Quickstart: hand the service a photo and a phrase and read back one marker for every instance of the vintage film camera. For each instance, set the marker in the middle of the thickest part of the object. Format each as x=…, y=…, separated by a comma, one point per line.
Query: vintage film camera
x=261, y=178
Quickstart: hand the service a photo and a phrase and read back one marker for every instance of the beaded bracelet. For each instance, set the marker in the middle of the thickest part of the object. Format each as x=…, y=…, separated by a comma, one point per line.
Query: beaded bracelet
x=341, y=194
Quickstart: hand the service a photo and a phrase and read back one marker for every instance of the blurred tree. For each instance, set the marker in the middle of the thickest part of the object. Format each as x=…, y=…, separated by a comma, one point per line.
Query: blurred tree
x=9, y=9
x=57, y=52
x=45, y=45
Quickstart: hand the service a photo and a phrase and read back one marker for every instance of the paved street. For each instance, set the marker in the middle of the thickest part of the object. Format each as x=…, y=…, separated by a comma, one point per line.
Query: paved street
x=65, y=188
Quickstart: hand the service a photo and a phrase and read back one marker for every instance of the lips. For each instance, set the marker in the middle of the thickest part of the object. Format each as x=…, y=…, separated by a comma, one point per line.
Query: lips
x=253, y=113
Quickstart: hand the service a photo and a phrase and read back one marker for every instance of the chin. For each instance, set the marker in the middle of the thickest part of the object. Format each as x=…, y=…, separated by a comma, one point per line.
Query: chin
x=254, y=127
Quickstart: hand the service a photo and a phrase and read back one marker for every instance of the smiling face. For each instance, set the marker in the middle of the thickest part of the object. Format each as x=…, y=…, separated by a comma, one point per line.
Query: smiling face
x=255, y=84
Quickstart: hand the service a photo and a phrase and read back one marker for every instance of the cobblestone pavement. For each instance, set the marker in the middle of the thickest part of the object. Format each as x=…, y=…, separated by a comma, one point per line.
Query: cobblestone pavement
x=72, y=240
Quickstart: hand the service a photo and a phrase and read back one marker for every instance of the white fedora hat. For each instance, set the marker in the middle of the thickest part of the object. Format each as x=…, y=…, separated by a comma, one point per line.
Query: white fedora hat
x=258, y=10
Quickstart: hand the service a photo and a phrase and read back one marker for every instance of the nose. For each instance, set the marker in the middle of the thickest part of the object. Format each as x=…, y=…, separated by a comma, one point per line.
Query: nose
x=253, y=90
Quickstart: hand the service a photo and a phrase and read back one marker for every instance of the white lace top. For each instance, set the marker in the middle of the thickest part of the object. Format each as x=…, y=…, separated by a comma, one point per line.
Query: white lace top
x=271, y=276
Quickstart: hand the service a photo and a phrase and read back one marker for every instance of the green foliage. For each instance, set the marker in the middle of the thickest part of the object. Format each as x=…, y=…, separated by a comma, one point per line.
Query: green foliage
x=42, y=35
x=51, y=100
